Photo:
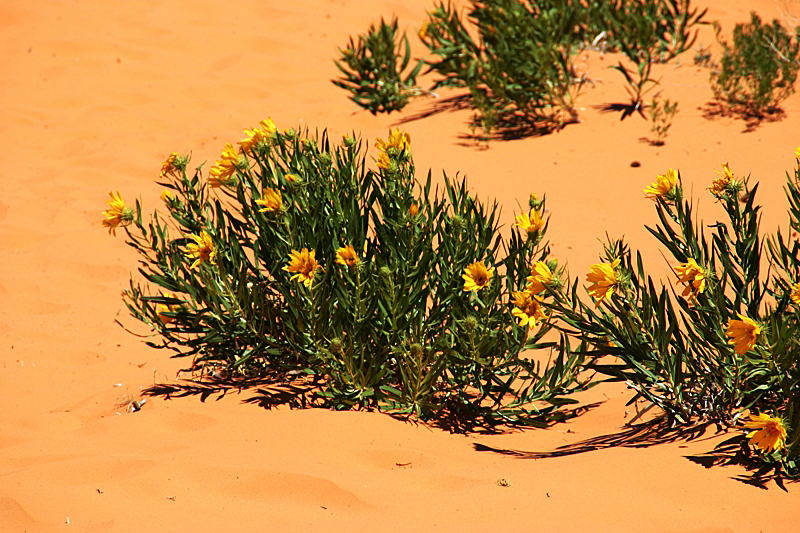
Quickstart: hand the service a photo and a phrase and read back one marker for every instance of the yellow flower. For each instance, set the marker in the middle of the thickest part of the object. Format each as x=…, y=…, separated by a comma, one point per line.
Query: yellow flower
x=268, y=126
x=662, y=186
x=603, y=278
x=528, y=309
x=303, y=264
x=722, y=182
x=166, y=196
x=476, y=276
x=540, y=276
x=347, y=256
x=291, y=178
x=384, y=161
x=164, y=308
x=693, y=275
x=118, y=213
x=399, y=141
x=797, y=153
x=413, y=209
x=271, y=201
x=423, y=30
x=169, y=167
x=795, y=294
x=768, y=432
x=221, y=173
x=254, y=137
x=531, y=222
x=743, y=333
x=202, y=249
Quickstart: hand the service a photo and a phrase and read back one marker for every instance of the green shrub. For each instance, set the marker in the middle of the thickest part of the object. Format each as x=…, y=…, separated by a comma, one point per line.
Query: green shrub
x=723, y=342
x=661, y=114
x=517, y=58
x=375, y=73
x=295, y=256
x=519, y=65
x=759, y=69
x=648, y=32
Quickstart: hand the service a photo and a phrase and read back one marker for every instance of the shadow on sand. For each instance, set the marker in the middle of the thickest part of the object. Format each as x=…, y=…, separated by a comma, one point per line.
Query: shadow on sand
x=731, y=452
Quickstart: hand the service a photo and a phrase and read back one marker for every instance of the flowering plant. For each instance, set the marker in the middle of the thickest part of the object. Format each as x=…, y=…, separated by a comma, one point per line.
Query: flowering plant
x=758, y=69
x=295, y=257
x=724, y=338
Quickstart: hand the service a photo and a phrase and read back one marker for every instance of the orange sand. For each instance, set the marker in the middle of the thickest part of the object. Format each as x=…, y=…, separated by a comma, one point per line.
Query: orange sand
x=97, y=94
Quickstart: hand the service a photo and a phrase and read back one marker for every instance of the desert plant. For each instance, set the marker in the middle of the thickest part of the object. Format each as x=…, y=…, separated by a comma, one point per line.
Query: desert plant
x=648, y=32
x=724, y=342
x=661, y=115
x=374, y=72
x=516, y=58
x=759, y=68
x=295, y=256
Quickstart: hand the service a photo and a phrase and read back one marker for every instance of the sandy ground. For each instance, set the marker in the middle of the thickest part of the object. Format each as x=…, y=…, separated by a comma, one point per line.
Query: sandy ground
x=96, y=94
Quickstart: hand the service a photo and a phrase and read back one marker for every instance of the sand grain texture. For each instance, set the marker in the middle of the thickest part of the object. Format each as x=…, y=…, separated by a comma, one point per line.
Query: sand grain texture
x=97, y=94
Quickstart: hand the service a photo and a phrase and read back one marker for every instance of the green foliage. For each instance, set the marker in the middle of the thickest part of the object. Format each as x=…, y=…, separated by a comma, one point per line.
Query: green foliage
x=648, y=32
x=391, y=327
x=676, y=350
x=517, y=58
x=759, y=69
x=520, y=63
x=375, y=73
x=661, y=115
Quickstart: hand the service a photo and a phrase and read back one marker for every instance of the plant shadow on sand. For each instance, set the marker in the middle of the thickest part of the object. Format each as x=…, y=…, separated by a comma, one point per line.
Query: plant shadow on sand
x=299, y=391
x=714, y=110
x=510, y=126
x=627, y=109
x=272, y=390
x=730, y=452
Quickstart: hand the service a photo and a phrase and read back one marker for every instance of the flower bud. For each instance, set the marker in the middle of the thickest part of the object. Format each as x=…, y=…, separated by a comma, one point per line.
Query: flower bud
x=336, y=345
x=415, y=349
x=471, y=323
x=457, y=223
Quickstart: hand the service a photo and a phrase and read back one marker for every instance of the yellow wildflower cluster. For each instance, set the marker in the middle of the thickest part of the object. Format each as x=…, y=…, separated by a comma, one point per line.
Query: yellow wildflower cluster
x=258, y=135
x=423, y=30
x=347, y=256
x=271, y=201
x=161, y=309
x=663, y=187
x=693, y=275
x=202, y=249
x=528, y=304
x=742, y=333
x=768, y=432
x=528, y=308
x=223, y=171
x=399, y=143
x=173, y=166
x=603, y=279
x=302, y=264
x=476, y=276
x=531, y=222
x=723, y=182
x=118, y=214
x=794, y=294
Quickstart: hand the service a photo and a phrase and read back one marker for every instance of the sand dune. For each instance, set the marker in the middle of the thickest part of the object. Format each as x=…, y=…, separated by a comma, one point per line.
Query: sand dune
x=97, y=94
